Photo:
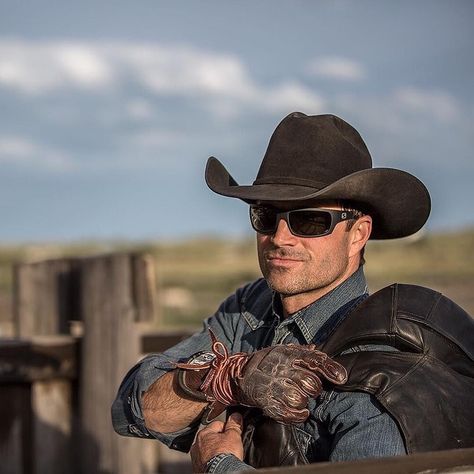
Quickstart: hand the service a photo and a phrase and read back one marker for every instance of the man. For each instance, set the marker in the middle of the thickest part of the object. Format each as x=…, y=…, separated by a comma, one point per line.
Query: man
x=314, y=205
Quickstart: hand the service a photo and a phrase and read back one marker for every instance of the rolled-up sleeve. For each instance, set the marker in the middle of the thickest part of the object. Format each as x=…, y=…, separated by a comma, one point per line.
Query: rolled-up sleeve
x=227, y=463
x=127, y=414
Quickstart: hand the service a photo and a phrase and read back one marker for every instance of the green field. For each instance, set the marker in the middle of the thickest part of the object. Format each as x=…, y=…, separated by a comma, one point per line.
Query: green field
x=194, y=276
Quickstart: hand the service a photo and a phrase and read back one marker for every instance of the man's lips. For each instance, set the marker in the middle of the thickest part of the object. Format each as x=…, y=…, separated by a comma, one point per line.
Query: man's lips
x=282, y=258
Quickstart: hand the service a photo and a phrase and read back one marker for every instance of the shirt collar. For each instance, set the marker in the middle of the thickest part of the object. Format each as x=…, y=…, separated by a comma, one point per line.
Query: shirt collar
x=314, y=317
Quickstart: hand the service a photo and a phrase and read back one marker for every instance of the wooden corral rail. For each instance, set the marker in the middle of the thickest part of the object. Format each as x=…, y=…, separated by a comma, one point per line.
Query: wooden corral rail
x=459, y=461
x=60, y=416
x=37, y=380
x=56, y=389
x=43, y=429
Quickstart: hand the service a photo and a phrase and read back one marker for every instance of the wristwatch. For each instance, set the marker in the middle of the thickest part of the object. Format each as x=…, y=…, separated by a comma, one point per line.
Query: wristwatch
x=190, y=379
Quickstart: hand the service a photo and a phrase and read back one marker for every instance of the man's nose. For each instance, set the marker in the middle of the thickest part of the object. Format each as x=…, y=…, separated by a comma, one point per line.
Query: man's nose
x=283, y=235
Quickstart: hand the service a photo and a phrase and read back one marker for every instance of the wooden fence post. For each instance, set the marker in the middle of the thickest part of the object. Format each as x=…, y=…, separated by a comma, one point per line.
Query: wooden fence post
x=44, y=297
x=144, y=286
x=110, y=345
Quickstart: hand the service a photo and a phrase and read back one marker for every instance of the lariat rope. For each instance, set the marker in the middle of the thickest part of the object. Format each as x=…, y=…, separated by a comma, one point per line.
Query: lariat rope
x=224, y=369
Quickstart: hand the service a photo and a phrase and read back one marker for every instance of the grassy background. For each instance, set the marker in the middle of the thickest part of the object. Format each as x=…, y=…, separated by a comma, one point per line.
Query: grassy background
x=195, y=276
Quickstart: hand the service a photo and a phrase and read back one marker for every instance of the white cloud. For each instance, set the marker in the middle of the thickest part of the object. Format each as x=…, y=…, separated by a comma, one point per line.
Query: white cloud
x=83, y=65
x=183, y=70
x=44, y=67
x=25, y=152
x=338, y=68
x=220, y=79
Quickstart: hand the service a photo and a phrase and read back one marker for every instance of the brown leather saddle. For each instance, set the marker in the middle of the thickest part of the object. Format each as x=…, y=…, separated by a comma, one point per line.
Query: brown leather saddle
x=427, y=385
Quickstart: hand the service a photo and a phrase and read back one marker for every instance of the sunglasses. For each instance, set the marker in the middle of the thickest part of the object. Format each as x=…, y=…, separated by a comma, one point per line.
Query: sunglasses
x=311, y=222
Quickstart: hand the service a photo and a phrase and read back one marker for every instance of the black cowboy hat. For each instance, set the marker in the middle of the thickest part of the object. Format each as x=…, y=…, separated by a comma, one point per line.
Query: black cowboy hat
x=322, y=157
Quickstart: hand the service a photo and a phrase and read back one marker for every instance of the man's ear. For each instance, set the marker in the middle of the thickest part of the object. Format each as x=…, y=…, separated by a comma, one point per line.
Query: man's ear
x=360, y=233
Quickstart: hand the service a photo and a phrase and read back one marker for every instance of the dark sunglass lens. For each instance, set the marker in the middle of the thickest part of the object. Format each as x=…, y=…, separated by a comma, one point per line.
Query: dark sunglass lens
x=263, y=219
x=310, y=222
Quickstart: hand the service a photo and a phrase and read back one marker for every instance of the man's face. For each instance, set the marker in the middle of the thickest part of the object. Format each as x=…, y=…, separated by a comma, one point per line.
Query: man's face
x=296, y=265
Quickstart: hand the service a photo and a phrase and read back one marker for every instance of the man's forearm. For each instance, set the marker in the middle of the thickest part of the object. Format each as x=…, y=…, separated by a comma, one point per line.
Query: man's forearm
x=166, y=408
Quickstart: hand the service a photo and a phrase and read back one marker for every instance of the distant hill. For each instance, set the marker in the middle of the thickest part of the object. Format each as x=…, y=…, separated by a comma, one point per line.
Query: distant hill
x=196, y=275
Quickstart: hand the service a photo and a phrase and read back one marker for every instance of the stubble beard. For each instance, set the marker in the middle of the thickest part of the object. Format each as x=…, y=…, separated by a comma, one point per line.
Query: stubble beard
x=310, y=277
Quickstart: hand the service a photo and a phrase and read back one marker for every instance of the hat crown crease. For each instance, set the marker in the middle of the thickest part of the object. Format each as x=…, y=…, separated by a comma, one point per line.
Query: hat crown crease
x=315, y=150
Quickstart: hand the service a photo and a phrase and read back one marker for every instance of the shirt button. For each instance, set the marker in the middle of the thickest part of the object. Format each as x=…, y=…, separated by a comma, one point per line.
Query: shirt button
x=134, y=430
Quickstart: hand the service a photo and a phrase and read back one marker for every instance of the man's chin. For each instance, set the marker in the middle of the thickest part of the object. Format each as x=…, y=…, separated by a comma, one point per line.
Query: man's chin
x=284, y=288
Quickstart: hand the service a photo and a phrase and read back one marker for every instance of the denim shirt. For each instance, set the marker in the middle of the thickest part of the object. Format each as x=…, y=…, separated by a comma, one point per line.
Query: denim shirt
x=342, y=426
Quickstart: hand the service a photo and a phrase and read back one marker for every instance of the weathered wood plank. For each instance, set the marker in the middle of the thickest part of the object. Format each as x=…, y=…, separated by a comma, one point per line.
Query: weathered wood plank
x=144, y=287
x=39, y=358
x=110, y=346
x=52, y=357
x=51, y=402
x=44, y=297
x=459, y=461
x=46, y=294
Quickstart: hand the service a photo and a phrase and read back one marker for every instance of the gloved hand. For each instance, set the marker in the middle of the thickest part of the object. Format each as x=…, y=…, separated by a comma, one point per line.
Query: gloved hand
x=277, y=379
x=281, y=379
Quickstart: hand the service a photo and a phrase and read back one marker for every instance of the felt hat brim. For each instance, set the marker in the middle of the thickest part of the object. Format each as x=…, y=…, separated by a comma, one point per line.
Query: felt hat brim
x=397, y=201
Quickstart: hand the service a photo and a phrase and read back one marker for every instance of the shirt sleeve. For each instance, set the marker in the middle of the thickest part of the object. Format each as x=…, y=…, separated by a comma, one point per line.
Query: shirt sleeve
x=127, y=415
x=227, y=463
x=361, y=428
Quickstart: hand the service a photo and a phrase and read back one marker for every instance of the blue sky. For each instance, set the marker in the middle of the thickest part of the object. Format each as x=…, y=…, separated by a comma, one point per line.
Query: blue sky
x=111, y=108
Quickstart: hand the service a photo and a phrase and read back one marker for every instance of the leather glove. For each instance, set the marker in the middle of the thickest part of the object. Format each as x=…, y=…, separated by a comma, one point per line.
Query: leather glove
x=277, y=379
